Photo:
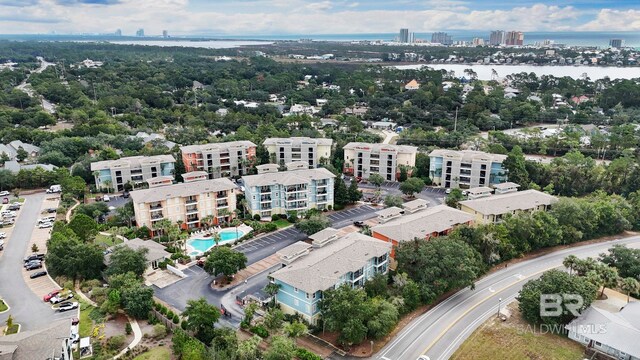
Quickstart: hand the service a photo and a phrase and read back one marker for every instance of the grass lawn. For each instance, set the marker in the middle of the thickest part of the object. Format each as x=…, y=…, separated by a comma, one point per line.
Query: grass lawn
x=106, y=240
x=13, y=330
x=282, y=223
x=86, y=323
x=3, y=306
x=513, y=339
x=157, y=353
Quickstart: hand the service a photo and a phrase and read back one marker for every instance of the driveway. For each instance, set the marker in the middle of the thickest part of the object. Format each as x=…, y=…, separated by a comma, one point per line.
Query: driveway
x=27, y=308
x=269, y=244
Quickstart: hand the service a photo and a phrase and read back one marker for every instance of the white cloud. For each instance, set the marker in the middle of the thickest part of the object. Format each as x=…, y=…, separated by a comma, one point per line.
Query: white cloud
x=299, y=17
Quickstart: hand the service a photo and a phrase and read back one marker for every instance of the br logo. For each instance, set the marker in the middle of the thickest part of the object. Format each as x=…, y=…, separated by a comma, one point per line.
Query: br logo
x=552, y=304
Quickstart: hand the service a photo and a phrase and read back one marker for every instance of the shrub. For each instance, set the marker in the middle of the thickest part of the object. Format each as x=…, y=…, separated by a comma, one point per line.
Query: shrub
x=260, y=331
x=176, y=319
x=127, y=329
x=152, y=319
x=163, y=310
x=256, y=217
x=170, y=314
x=115, y=342
x=183, y=325
x=330, y=207
x=270, y=227
x=157, y=306
x=159, y=331
x=275, y=217
x=304, y=354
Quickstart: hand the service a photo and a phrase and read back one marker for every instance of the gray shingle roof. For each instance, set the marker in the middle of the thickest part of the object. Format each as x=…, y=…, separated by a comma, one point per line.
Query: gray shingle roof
x=216, y=146
x=420, y=224
x=506, y=203
x=132, y=161
x=506, y=185
x=479, y=190
x=37, y=344
x=156, y=251
x=620, y=330
x=298, y=140
x=292, y=177
x=378, y=147
x=323, y=267
x=181, y=190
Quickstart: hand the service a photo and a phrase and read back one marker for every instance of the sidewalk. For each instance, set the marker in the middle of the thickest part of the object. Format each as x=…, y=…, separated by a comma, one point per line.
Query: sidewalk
x=248, y=272
x=137, y=336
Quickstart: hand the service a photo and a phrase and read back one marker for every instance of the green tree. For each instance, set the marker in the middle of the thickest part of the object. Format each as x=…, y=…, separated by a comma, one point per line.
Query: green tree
x=274, y=318
x=224, y=260
x=609, y=277
x=377, y=286
x=515, y=164
x=630, y=286
x=248, y=349
x=412, y=186
x=281, y=349
x=126, y=214
x=385, y=319
x=137, y=300
x=340, y=193
x=124, y=260
x=272, y=289
x=21, y=154
x=201, y=316
x=570, y=262
x=187, y=348
x=353, y=192
x=393, y=200
x=295, y=329
x=224, y=344
x=7, y=179
x=346, y=311
x=85, y=227
x=553, y=282
x=4, y=158
x=376, y=179
x=313, y=224
x=67, y=256
x=454, y=197
x=626, y=260
x=74, y=185
x=403, y=174
x=439, y=265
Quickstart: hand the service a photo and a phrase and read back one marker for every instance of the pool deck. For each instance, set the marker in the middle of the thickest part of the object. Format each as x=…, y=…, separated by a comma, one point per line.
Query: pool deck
x=244, y=229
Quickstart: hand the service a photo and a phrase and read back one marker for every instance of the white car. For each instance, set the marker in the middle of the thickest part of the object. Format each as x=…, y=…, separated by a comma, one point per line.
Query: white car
x=424, y=357
x=4, y=193
x=68, y=306
x=106, y=198
x=45, y=225
x=448, y=191
x=465, y=192
x=47, y=219
x=3, y=235
x=61, y=297
x=10, y=214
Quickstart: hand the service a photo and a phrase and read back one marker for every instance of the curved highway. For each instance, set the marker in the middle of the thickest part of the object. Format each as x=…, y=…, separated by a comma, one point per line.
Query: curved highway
x=441, y=330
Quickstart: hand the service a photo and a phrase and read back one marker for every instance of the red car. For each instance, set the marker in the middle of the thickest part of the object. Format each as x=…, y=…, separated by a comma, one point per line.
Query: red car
x=48, y=297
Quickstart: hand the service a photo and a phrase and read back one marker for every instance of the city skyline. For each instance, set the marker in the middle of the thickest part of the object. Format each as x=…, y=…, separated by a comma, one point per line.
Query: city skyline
x=250, y=17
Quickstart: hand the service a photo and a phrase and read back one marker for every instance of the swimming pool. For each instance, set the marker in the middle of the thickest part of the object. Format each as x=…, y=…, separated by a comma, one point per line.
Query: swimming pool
x=199, y=246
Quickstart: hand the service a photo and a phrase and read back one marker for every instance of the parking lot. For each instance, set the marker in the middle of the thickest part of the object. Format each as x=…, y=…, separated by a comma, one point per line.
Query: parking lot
x=269, y=244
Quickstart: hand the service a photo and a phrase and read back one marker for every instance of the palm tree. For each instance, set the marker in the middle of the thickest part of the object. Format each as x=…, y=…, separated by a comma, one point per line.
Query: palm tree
x=224, y=213
x=216, y=238
x=630, y=285
x=569, y=262
x=609, y=277
x=272, y=289
x=207, y=220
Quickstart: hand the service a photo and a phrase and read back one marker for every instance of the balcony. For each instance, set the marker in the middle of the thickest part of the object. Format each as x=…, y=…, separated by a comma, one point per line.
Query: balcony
x=191, y=200
x=322, y=183
x=222, y=204
x=224, y=155
x=155, y=206
x=192, y=219
x=298, y=197
x=265, y=198
x=297, y=205
x=321, y=199
x=322, y=192
x=374, y=156
x=374, y=162
x=265, y=189
x=224, y=161
x=157, y=215
x=297, y=188
x=465, y=166
x=191, y=209
x=221, y=194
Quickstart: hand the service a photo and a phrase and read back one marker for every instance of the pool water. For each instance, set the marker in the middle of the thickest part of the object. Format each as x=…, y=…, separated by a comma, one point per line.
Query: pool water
x=202, y=245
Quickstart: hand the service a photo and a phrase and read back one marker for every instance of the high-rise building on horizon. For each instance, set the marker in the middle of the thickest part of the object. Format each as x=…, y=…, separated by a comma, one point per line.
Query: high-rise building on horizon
x=404, y=36
x=478, y=42
x=496, y=38
x=514, y=38
x=441, y=38
x=616, y=43
x=118, y=32
x=412, y=37
x=140, y=32
x=165, y=34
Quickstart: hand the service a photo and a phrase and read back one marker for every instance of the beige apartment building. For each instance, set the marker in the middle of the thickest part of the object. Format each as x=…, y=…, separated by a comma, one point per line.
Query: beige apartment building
x=363, y=159
x=309, y=150
x=219, y=159
x=466, y=169
x=185, y=203
x=492, y=209
x=114, y=174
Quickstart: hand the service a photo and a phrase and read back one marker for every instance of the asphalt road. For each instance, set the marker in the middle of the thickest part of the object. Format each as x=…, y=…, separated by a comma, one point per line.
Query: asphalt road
x=440, y=331
x=435, y=196
x=27, y=308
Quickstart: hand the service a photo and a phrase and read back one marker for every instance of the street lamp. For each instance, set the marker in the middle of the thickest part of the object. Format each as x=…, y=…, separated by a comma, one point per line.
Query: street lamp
x=499, y=303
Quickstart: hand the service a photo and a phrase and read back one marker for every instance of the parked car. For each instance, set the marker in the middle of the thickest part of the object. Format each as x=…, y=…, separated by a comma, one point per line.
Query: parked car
x=358, y=223
x=32, y=265
x=465, y=192
x=126, y=194
x=61, y=297
x=448, y=191
x=47, y=219
x=8, y=214
x=75, y=321
x=48, y=297
x=13, y=207
x=106, y=198
x=33, y=257
x=51, y=210
x=6, y=222
x=45, y=225
x=5, y=200
x=38, y=274
x=1, y=244
x=3, y=235
x=4, y=193
x=68, y=306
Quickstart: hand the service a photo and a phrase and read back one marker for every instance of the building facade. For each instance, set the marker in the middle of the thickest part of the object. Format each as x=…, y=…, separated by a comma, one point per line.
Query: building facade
x=514, y=38
x=219, y=159
x=403, y=36
x=310, y=150
x=334, y=260
x=496, y=38
x=363, y=159
x=466, y=169
x=273, y=193
x=441, y=38
x=114, y=174
x=192, y=204
x=494, y=208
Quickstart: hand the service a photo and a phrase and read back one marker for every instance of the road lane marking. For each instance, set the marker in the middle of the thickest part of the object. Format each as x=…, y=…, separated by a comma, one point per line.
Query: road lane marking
x=478, y=304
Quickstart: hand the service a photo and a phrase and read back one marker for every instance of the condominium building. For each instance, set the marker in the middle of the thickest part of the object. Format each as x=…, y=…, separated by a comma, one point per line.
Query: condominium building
x=421, y=224
x=333, y=259
x=496, y=37
x=492, y=209
x=273, y=192
x=310, y=150
x=219, y=159
x=188, y=204
x=466, y=169
x=362, y=159
x=114, y=174
x=514, y=38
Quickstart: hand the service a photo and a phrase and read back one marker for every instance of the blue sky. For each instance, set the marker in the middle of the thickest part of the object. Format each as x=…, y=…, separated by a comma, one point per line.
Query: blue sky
x=255, y=17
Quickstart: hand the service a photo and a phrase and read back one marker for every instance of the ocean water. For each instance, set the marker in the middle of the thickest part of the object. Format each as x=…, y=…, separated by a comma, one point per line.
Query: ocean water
x=211, y=44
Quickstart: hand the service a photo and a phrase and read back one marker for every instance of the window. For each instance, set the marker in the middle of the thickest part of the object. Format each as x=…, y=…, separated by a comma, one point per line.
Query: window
x=295, y=290
x=314, y=295
x=307, y=295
